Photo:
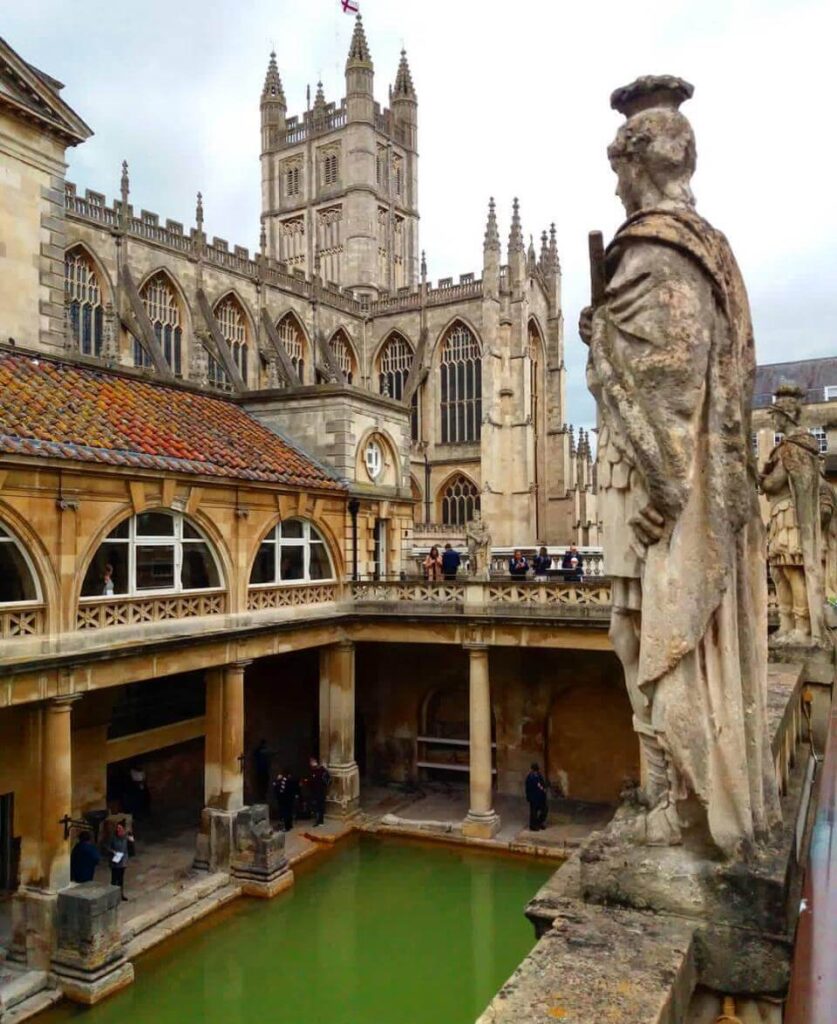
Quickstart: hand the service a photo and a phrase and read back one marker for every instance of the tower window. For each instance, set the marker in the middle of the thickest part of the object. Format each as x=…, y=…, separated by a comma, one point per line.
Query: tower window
x=292, y=181
x=330, y=168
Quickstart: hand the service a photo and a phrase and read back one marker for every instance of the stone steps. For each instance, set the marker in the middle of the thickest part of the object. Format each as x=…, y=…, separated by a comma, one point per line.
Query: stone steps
x=190, y=905
x=24, y=993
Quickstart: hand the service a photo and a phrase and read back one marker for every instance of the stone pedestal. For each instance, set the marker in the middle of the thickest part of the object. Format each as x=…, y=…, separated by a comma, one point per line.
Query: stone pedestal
x=88, y=960
x=258, y=860
x=33, y=928
x=214, y=843
x=481, y=821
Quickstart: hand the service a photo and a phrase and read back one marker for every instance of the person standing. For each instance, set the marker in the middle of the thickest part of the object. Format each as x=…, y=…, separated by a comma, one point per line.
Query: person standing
x=541, y=564
x=84, y=858
x=572, y=572
x=518, y=566
x=536, y=798
x=450, y=563
x=433, y=565
x=285, y=787
x=318, y=780
x=118, y=851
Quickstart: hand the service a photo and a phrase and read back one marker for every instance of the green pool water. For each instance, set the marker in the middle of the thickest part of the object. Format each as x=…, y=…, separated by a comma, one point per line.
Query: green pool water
x=378, y=931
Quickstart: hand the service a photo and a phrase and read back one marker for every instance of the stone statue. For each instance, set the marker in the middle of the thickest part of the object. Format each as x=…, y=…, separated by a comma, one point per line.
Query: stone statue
x=828, y=529
x=479, y=547
x=791, y=480
x=671, y=366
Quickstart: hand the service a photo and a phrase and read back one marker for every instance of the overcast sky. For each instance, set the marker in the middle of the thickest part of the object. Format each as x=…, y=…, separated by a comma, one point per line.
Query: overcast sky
x=513, y=100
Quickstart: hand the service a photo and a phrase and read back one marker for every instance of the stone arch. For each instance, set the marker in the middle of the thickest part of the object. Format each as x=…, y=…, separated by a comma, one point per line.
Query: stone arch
x=243, y=346
x=98, y=264
x=376, y=356
x=38, y=562
x=457, y=498
x=87, y=292
x=443, y=714
x=341, y=334
x=179, y=366
x=390, y=475
x=321, y=526
x=451, y=323
x=291, y=316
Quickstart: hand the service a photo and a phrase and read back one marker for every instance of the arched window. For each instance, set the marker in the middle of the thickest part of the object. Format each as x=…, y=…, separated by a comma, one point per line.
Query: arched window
x=233, y=324
x=395, y=363
x=460, y=500
x=83, y=295
x=152, y=551
x=535, y=349
x=292, y=552
x=161, y=304
x=342, y=350
x=17, y=578
x=293, y=339
x=460, y=379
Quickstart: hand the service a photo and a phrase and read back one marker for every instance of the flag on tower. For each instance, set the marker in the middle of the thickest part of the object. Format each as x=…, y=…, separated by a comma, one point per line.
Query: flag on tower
x=349, y=6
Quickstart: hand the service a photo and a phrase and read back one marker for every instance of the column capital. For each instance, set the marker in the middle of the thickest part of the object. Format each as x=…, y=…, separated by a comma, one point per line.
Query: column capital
x=239, y=664
x=344, y=645
x=475, y=645
x=63, y=702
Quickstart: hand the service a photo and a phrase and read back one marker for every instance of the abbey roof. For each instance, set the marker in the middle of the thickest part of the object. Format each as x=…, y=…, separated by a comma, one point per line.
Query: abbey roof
x=55, y=409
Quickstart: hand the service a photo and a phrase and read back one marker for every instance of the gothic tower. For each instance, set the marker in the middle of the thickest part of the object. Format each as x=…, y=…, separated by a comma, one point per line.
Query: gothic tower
x=340, y=182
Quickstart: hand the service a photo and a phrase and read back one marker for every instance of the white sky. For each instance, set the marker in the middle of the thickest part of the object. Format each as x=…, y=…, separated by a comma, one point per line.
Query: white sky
x=513, y=100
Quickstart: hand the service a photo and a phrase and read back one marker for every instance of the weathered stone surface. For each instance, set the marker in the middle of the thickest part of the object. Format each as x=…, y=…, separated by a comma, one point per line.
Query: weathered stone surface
x=258, y=860
x=638, y=967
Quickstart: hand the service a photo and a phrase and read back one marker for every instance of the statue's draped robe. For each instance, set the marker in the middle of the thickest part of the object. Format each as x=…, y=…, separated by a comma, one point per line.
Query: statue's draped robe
x=672, y=367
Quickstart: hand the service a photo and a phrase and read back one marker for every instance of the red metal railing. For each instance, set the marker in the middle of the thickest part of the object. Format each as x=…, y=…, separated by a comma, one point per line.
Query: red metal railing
x=812, y=998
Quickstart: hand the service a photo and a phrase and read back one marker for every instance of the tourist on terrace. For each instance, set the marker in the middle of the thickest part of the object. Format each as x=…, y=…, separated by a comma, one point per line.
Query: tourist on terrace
x=84, y=858
x=536, y=798
x=318, y=780
x=518, y=566
x=433, y=565
x=118, y=851
x=450, y=563
x=286, y=787
x=573, y=572
x=541, y=563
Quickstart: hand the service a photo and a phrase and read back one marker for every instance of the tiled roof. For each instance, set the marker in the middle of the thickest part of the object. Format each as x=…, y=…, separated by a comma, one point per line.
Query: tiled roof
x=62, y=410
x=812, y=375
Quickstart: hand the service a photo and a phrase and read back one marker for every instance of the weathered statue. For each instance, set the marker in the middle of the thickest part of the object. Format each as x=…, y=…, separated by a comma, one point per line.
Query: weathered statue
x=791, y=480
x=479, y=547
x=828, y=528
x=671, y=366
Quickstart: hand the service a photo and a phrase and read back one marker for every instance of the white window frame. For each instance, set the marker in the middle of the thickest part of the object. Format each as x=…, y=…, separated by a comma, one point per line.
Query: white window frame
x=821, y=435
x=7, y=536
x=175, y=540
x=279, y=542
x=373, y=458
x=830, y=392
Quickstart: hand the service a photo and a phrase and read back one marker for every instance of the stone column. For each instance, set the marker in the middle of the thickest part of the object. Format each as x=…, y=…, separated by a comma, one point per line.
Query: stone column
x=223, y=764
x=481, y=821
x=56, y=792
x=337, y=726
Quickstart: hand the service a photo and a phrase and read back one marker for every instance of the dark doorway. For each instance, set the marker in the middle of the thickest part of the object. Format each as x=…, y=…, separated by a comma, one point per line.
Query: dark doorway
x=9, y=846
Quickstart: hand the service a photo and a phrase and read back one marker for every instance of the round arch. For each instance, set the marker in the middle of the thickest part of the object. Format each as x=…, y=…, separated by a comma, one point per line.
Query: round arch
x=326, y=534
x=390, y=473
x=37, y=560
x=211, y=534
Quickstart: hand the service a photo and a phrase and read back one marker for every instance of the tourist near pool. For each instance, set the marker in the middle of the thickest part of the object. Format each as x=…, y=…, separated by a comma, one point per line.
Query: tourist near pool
x=378, y=931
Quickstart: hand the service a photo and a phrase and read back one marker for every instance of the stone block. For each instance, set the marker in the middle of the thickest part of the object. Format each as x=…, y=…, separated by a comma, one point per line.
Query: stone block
x=258, y=860
x=481, y=826
x=88, y=961
x=33, y=928
x=213, y=846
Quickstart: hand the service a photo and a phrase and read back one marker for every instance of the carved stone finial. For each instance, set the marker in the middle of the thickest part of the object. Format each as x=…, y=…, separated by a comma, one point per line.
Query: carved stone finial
x=423, y=266
x=516, y=232
x=273, y=91
x=199, y=212
x=492, y=235
x=263, y=239
x=358, y=48
x=124, y=183
x=403, y=88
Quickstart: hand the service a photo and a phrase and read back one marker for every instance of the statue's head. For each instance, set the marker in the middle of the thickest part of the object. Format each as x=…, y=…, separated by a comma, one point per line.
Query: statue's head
x=787, y=404
x=654, y=152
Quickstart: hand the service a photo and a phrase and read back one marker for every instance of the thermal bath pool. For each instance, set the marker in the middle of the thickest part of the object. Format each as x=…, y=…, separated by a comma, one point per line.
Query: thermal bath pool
x=378, y=931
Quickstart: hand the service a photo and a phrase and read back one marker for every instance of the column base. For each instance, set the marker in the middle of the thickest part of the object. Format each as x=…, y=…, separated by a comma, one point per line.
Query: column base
x=258, y=861
x=33, y=927
x=343, y=800
x=481, y=825
x=87, y=989
x=214, y=843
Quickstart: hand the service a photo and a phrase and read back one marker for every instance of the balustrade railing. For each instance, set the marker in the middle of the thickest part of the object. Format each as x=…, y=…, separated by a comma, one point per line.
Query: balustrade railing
x=102, y=612
x=21, y=620
x=290, y=596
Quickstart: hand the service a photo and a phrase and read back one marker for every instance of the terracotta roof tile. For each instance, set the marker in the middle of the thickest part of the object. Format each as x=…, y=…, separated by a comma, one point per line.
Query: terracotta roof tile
x=55, y=409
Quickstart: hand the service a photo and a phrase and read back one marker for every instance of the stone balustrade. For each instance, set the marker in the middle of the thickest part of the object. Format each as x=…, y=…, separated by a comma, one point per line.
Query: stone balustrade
x=290, y=595
x=21, y=620
x=425, y=535
x=101, y=612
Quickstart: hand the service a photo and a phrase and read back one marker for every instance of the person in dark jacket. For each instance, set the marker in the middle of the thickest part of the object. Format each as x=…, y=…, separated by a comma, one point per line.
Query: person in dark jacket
x=318, y=780
x=285, y=788
x=450, y=563
x=518, y=566
x=84, y=858
x=536, y=798
x=541, y=564
x=572, y=565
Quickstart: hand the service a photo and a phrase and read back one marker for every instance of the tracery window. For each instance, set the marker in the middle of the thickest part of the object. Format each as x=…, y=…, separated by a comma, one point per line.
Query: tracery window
x=460, y=500
x=163, y=310
x=17, y=578
x=293, y=339
x=381, y=170
x=153, y=551
x=231, y=320
x=292, y=179
x=534, y=373
x=339, y=345
x=395, y=363
x=293, y=552
x=460, y=379
x=330, y=169
x=83, y=296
